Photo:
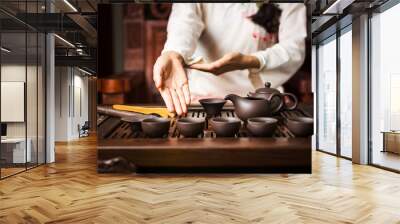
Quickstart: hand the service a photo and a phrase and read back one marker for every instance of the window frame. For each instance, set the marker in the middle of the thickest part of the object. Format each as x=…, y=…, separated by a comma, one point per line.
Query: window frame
x=342, y=26
x=29, y=29
x=378, y=10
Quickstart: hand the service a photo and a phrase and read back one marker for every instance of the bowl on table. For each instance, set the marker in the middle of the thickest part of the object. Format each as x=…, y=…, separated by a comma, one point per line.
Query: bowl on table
x=261, y=126
x=301, y=126
x=225, y=126
x=212, y=106
x=156, y=127
x=190, y=127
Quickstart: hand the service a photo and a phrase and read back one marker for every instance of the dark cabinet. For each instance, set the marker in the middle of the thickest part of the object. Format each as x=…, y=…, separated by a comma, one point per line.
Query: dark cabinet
x=126, y=58
x=156, y=36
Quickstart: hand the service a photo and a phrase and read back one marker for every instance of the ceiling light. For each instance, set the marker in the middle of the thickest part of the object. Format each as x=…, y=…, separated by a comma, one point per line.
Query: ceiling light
x=5, y=50
x=338, y=6
x=64, y=40
x=84, y=71
x=70, y=5
x=80, y=51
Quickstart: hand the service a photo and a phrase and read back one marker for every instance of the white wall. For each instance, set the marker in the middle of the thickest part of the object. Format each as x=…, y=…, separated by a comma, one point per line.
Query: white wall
x=33, y=127
x=50, y=94
x=61, y=103
x=71, y=102
x=12, y=73
x=80, y=111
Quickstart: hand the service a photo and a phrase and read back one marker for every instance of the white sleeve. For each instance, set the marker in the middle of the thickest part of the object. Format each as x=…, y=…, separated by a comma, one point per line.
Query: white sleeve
x=283, y=59
x=185, y=26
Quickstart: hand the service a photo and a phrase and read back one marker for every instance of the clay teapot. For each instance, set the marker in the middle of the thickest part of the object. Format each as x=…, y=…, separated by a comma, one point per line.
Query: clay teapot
x=267, y=92
x=247, y=107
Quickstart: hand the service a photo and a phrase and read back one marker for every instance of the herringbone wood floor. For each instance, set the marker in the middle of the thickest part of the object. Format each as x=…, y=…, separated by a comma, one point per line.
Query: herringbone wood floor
x=70, y=191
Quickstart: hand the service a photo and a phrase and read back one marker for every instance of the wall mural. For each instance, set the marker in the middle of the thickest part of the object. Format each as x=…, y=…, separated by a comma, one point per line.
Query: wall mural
x=216, y=133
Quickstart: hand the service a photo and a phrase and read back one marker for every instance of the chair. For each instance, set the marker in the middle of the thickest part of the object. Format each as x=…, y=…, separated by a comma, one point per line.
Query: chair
x=84, y=130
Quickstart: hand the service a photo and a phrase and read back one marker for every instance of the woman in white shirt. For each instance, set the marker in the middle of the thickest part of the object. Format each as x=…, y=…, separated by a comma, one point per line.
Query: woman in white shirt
x=238, y=55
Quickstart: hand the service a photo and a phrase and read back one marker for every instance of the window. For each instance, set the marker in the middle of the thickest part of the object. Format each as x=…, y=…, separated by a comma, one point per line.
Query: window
x=385, y=89
x=326, y=139
x=22, y=78
x=346, y=92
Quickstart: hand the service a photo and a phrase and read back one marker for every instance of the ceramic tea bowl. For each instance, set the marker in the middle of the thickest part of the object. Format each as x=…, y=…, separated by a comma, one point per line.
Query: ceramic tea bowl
x=155, y=127
x=190, y=127
x=301, y=126
x=261, y=126
x=225, y=127
x=212, y=106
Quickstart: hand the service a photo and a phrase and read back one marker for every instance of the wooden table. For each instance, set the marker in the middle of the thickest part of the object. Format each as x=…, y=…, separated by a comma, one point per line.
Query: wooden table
x=282, y=153
x=391, y=141
x=13, y=150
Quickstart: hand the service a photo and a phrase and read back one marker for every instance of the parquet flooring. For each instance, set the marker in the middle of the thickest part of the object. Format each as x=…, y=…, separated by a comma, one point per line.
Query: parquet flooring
x=70, y=191
x=10, y=171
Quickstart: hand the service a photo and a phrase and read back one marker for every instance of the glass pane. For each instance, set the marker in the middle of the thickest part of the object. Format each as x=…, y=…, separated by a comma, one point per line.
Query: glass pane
x=32, y=96
x=346, y=94
x=14, y=153
x=385, y=84
x=327, y=97
x=41, y=98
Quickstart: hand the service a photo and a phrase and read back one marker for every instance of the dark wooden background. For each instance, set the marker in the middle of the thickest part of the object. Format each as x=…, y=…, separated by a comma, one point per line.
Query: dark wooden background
x=143, y=39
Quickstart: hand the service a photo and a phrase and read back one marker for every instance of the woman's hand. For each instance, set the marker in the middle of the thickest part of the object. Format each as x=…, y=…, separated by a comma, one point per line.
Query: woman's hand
x=229, y=62
x=171, y=81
